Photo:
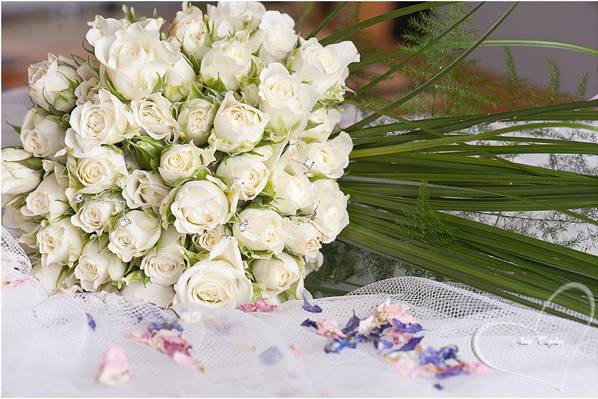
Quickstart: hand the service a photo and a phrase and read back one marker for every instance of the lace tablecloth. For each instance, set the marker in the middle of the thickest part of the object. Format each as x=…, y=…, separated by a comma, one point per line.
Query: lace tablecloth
x=53, y=346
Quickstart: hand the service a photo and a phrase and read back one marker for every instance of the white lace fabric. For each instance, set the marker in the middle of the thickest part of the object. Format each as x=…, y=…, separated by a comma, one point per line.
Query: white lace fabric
x=49, y=347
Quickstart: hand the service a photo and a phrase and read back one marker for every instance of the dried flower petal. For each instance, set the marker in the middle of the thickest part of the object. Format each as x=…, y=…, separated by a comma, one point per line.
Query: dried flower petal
x=90, y=321
x=312, y=308
x=11, y=283
x=114, y=368
x=271, y=356
x=259, y=306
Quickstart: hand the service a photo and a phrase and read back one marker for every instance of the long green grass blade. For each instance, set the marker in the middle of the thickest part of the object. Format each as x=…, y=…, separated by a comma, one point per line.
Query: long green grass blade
x=350, y=30
x=328, y=19
x=542, y=43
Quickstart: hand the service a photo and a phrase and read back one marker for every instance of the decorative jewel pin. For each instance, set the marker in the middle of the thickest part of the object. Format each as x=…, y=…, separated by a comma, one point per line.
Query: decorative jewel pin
x=124, y=222
x=308, y=163
x=243, y=225
x=78, y=198
x=238, y=182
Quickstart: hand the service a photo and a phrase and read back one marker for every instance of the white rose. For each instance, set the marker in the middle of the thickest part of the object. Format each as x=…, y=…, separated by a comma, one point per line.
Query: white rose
x=134, y=234
x=88, y=89
x=292, y=192
x=97, y=266
x=17, y=176
x=134, y=58
x=183, y=161
x=303, y=238
x=325, y=120
x=230, y=17
x=154, y=293
x=165, y=263
x=95, y=214
x=260, y=230
x=106, y=121
x=47, y=200
x=227, y=61
x=285, y=98
x=249, y=171
x=324, y=67
x=102, y=27
x=59, y=243
x=190, y=30
x=99, y=172
x=330, y=206
x=195, y=120
x=21, y=227
x=47, y=276
x=276, y=275
x=238, y=127
x=178, y=80
x=144, y=189
x=327, y=159
x=40, y=135
x=198, y=206
x=313, y=262
x=153, y=114
x=276, y=35
x=217, y=282
x=209, y=238
x=52, y=83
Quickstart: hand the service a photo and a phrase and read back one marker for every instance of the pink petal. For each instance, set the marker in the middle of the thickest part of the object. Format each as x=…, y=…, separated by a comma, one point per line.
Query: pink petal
x=114, y=368
x=182, y=359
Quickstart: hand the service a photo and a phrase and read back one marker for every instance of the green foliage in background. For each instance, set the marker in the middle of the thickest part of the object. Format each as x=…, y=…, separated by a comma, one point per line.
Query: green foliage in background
x=444, y=195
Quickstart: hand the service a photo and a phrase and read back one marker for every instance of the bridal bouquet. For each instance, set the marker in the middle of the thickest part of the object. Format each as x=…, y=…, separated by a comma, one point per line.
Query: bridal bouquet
x=202, y=161
x=196, y=165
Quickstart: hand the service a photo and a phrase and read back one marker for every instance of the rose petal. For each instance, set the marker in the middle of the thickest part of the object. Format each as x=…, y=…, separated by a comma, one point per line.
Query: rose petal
x=114, y=368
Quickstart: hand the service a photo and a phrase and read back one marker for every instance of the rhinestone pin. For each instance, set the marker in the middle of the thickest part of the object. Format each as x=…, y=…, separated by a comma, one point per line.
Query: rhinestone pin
x=243, y=225
x=78, y=198
x=308, y=163
x=238, y=182
x=124, y=222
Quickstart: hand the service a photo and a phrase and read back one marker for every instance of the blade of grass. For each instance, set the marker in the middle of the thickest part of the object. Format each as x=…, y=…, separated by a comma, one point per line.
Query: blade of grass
x=350, y=30
x=541, y=43
x=328, y=19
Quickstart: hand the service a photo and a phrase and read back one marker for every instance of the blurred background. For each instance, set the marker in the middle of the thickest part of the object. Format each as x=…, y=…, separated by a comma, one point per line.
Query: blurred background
x=31, y=29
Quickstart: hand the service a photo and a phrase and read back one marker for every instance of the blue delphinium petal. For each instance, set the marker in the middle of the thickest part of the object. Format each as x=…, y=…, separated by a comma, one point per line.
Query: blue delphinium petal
x=352, y=324
x=312, y=308
x=438, y=386
x=164, y=325
x=309, y=323
x=271, y=356
x=411, y=344
x=336, y=345
x=409, y=328
x=90, y=321
x=451, y=372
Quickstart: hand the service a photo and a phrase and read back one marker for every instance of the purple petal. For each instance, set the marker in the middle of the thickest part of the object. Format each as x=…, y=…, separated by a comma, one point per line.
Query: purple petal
x=352, y=324
x=409, y=346
x=410, y=328
x=90, y=321
x=271, y=356
x=438, y=386
x=336, y=345
x=451, y=372
x=309, y=323
x=309, y=307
